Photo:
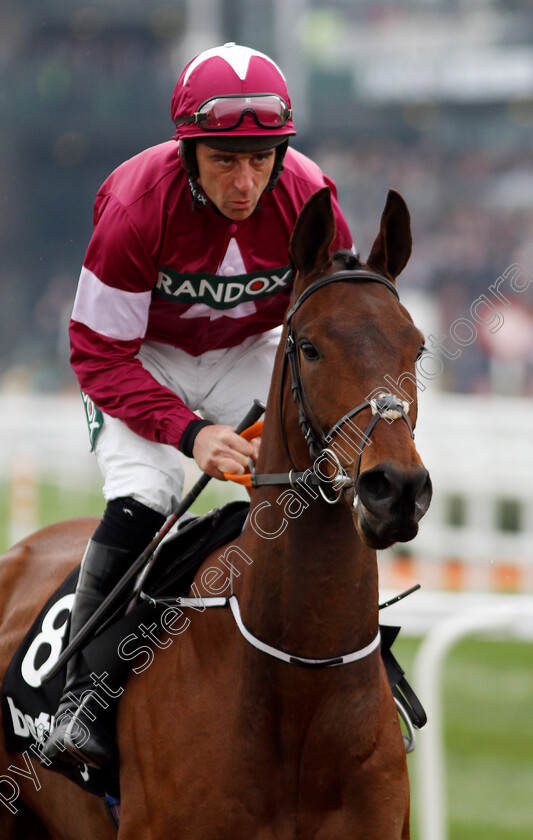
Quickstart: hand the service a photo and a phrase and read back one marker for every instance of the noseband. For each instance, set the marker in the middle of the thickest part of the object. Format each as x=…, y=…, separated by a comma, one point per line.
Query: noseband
x=384, y=406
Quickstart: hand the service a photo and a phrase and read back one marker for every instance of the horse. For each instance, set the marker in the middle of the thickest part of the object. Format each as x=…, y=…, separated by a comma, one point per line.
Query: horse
x=275, y=718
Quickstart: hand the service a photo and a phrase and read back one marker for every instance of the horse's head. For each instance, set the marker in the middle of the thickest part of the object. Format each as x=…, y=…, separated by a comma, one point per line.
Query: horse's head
x=351, y=349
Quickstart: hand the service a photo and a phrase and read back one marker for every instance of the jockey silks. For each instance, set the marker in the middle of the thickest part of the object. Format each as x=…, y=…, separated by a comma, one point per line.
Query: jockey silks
x=156, y=269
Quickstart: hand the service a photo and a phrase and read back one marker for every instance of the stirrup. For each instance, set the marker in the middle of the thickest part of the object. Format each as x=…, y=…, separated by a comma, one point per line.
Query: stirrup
x=409, y=738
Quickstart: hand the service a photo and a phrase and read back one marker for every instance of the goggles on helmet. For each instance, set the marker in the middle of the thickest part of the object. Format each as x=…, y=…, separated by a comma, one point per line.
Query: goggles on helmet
x=224, y=113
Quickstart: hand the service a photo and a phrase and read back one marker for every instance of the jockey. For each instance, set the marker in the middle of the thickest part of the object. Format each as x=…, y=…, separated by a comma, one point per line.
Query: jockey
x=186, y=279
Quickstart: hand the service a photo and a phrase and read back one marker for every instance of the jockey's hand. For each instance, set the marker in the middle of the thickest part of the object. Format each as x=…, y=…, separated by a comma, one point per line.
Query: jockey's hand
x=217, y=449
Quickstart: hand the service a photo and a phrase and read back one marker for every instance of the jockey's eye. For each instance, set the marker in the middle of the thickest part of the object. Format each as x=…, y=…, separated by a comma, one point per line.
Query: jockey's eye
x=309, y=351
x=421, y=351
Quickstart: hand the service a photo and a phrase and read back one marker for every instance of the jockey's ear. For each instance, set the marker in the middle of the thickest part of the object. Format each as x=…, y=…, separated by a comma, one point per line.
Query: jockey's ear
x=392, y=248
x=313, y=234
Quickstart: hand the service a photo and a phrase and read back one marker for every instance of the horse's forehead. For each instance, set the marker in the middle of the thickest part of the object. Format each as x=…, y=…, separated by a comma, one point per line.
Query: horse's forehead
x=358, y=307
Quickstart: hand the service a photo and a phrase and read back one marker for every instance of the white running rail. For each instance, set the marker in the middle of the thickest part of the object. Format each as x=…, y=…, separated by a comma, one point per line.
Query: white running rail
x=510, y=616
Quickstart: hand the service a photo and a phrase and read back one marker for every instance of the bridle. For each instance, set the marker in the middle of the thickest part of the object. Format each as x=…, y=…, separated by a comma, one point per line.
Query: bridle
x=384, y=406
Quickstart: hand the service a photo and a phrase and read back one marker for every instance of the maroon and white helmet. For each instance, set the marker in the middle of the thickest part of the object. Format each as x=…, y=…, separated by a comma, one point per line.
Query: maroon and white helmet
x=231, y=91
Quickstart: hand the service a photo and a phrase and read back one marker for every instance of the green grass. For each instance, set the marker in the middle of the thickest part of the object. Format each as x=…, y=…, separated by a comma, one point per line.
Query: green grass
x=55, y=504
x=488, y=702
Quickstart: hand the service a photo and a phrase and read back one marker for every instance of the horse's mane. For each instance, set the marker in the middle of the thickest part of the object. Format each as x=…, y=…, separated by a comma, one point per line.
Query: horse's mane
x=348, y=259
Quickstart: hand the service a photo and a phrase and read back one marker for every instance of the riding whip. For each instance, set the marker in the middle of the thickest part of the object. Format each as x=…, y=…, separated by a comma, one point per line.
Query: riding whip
x=123, y=586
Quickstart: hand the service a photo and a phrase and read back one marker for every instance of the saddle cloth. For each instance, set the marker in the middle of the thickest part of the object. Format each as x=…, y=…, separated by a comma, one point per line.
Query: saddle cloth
x=28, y=704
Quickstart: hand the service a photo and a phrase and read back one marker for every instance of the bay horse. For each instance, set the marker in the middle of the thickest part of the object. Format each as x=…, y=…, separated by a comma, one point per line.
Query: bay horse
x=218, y=739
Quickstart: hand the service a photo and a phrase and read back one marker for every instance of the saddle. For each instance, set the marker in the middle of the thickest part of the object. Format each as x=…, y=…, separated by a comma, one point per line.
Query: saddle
x=179, y=558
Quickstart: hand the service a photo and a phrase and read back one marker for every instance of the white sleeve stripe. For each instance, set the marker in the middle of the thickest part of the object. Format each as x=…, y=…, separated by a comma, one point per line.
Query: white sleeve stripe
x=108, y=311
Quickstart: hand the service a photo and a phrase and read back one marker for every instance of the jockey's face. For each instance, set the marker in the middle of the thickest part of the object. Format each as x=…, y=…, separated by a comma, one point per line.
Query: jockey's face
x=234, y=181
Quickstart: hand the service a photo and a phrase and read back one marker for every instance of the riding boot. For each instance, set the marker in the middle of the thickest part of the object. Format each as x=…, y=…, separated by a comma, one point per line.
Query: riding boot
x=83, y=738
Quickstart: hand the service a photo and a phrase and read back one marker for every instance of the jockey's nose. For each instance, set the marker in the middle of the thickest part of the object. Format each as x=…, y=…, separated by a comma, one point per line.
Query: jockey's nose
x=243, y=179
x=388, y=492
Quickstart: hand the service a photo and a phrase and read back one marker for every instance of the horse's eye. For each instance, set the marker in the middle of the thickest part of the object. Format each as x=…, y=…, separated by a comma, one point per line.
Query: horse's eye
x=421, y=351
x=309, y=350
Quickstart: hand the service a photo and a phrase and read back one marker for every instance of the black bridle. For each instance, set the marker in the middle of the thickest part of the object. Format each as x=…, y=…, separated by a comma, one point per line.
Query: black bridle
x=385, y=405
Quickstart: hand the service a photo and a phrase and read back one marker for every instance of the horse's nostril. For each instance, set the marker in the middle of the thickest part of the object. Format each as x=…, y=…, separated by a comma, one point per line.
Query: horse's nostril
x=375, y=489
x=384, y=488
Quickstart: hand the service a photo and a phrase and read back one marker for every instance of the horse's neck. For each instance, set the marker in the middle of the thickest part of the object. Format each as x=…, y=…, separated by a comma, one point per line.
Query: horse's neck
x=312, y=589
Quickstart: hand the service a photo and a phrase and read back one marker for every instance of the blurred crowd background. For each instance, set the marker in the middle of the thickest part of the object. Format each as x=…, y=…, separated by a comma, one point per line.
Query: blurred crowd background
x=431, y=97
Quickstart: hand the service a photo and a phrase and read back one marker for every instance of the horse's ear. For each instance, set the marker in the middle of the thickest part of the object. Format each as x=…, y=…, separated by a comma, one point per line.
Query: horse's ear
x=392, y=248
x=313, y=233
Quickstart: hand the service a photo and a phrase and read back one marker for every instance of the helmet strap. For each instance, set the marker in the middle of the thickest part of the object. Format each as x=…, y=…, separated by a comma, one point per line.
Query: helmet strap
x=198, y=196
x=277, y=169
x=187, y=152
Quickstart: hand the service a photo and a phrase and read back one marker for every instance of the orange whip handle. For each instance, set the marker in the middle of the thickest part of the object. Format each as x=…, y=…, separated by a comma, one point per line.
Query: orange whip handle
x=253, y=431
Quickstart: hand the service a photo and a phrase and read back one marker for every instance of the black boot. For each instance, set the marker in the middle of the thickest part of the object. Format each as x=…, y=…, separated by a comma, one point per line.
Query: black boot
x=81, y=738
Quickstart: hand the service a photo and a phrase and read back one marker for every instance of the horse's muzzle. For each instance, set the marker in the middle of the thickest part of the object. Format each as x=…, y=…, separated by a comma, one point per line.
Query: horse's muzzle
x=390, y=502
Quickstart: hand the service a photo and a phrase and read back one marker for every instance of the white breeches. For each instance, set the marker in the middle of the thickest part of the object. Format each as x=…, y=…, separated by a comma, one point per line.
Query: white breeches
x=221, y=384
